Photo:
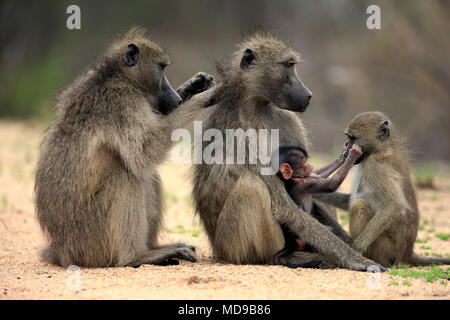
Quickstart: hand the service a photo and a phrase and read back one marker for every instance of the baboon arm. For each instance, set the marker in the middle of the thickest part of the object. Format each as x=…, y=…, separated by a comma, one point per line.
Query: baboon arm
x=198, y=83
x=324, y=172
x=186, y=112
x=309, y=229
x=375, y=227
x=337, y=199
x=327, y=219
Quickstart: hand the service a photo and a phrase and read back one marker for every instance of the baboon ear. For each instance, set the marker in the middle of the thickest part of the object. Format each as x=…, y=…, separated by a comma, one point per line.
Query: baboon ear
x=384, y=131
x=131, y=56
x=286, y=171
x=247, y=59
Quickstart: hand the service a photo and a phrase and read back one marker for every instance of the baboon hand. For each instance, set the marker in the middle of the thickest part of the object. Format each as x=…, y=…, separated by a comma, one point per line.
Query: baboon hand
x=201, y=82
x=198, y=83
x=367, y=265
x=355, y=152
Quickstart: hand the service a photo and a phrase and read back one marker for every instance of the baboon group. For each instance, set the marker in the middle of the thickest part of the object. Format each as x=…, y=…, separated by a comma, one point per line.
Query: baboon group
x=98, y=193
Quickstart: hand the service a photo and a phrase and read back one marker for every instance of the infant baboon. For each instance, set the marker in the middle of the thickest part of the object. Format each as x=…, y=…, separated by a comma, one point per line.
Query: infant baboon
x=241, y=209
x=384, y=216
x=97, y=191
x=301, y=182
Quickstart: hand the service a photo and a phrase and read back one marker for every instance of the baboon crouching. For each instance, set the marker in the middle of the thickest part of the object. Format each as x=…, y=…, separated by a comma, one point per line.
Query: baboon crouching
x=241, y=209
x=97, y=191
x=384, y=216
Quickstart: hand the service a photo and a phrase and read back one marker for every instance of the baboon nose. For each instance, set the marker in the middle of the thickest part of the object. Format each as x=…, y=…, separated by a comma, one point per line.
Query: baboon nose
x=309, y=97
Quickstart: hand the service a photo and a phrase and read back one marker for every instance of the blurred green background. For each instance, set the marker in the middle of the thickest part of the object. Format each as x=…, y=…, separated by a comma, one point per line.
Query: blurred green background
x=402, y=69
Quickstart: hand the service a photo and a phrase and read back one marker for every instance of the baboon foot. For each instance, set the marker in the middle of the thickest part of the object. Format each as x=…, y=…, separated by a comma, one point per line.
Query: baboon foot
x=167, y=257
x=305, y=260
x=366, y=265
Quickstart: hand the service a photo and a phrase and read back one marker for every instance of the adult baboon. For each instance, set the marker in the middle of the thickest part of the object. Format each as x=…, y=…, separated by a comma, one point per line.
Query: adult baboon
x=97, y=190
x=240, y=208
x=384, y=216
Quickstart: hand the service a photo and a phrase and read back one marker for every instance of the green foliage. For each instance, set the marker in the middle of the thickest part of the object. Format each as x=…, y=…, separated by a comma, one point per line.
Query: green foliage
x=424, y=176
x=434, y=197
x=423, y=240
x=428, y=274
x=406, y=283
x=31, y=92
x=4, y=201
x=443, y=236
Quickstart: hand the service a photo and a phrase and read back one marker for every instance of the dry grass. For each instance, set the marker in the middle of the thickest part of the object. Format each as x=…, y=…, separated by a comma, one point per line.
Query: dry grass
x=23, y=276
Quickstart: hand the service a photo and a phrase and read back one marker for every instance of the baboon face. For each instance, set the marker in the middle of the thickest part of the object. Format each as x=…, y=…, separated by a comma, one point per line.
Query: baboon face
x=144, y=63
x=371, y=131
x=275, y=75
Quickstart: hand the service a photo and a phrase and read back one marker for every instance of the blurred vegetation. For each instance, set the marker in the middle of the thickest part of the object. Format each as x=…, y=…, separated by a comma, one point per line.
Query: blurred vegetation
x=402, y=69
x=424, y=176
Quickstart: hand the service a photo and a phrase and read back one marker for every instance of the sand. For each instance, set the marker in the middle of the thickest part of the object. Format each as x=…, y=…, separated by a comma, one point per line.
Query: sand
x=23, y=276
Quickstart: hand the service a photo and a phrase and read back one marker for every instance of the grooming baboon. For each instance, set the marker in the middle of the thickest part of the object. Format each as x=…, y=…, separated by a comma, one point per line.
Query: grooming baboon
x=97, y=191
x=384, y=216
x=241, y=209
x=301, y=182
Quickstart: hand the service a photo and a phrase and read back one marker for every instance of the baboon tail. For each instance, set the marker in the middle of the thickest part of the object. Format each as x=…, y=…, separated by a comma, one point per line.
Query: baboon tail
x=417, y=260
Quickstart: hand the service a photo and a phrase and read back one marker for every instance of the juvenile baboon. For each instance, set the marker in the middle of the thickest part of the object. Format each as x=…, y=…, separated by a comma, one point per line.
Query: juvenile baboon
x=384, y=216
x=301, y=182
x=97, y=190
x=241, y=209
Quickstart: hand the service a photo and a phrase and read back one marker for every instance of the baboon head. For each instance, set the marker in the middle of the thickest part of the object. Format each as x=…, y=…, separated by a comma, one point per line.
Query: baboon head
x=371, y=131
x=266, y=67
x=142, y=62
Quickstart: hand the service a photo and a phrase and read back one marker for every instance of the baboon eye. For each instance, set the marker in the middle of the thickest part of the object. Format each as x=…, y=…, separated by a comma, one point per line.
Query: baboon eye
x=163, y=66
x=289, y=63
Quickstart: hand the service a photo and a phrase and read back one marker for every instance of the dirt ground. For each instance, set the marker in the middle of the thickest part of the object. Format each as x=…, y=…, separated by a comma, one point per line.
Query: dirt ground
x=23, y=276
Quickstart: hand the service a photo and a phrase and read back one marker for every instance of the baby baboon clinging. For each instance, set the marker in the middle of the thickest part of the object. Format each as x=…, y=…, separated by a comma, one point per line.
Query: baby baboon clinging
x=97, y=190
x=241, y=209
x=301, y=182
x=384, y=216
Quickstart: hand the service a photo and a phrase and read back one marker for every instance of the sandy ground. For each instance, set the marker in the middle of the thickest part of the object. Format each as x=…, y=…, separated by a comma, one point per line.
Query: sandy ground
x=23, y=276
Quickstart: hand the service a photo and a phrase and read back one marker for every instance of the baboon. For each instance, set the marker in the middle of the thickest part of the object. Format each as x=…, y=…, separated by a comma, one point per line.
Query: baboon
x=384, y=216
x=300, y=181
x=241, y=209
x=98, y=193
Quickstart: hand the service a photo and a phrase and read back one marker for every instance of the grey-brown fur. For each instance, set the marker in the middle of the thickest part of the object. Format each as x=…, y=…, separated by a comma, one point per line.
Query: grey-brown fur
x=384, y=216
x=98, y=192
x=241, y=209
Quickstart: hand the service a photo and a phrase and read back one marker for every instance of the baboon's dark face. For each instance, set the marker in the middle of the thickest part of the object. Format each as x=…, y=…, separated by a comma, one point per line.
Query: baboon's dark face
x=292, y=94
x=371, y=131
x=278, y=80
x=146, y=66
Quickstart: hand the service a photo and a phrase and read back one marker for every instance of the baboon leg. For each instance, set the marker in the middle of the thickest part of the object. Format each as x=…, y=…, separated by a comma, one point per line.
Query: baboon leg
x=281, y=254
x=165, y=256
x=246, y=231
x=154, y=209
x=383, y=250
x=359, y=215
x=154, y=212
x=322, y=213
x=300, y=259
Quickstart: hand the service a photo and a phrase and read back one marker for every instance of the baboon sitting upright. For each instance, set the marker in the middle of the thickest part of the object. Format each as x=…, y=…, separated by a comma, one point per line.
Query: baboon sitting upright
x=384, y=216
x=241, y=209
x=97, y=191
